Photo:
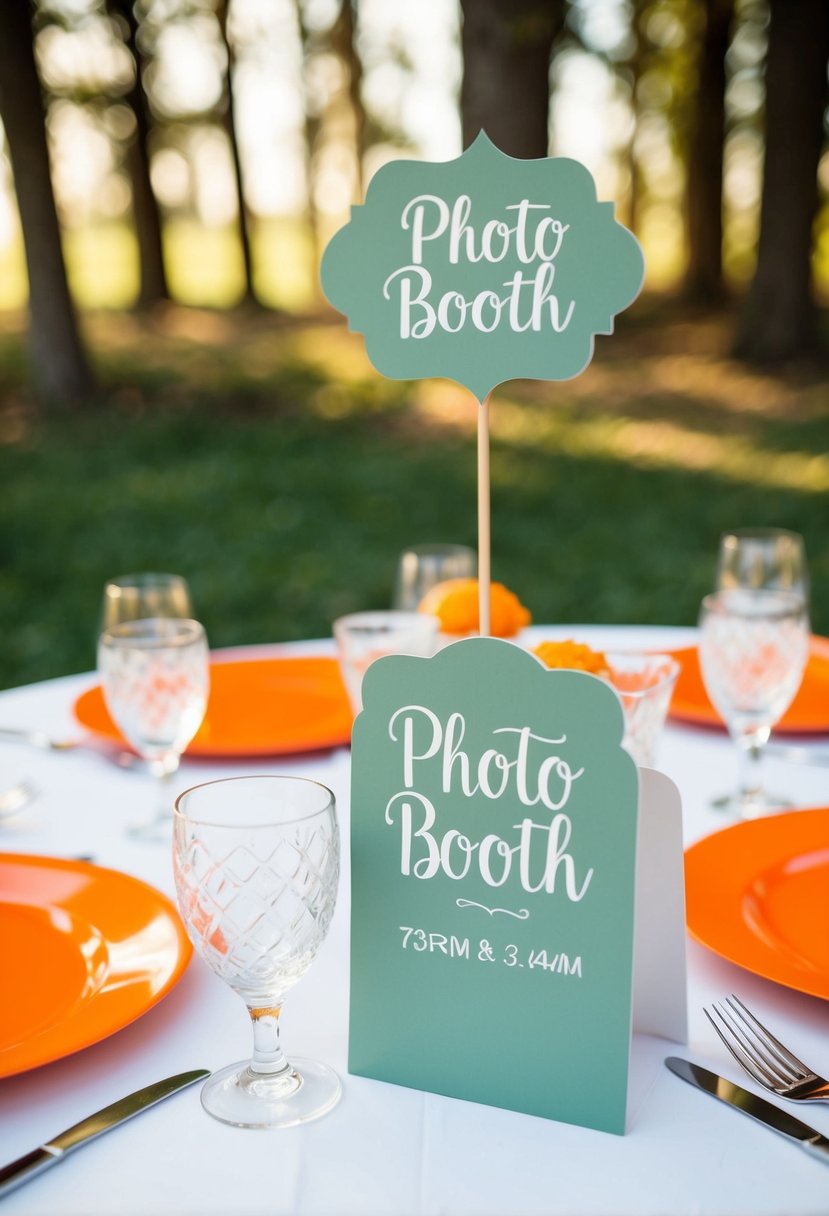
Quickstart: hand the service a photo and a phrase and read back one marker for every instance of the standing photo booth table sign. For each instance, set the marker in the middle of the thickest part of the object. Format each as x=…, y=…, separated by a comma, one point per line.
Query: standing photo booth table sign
x=517, y=884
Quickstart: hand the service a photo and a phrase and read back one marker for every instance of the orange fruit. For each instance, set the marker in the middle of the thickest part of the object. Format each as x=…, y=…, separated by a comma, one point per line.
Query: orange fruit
x=576, y=656
x=455, y=604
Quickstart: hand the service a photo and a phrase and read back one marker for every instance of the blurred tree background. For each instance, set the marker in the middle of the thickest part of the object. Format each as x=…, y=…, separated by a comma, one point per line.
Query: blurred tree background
x=175, y=394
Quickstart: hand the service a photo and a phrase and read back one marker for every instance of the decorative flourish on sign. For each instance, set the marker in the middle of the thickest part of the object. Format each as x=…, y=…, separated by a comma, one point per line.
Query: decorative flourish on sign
x=483, y=268
x=522, y=914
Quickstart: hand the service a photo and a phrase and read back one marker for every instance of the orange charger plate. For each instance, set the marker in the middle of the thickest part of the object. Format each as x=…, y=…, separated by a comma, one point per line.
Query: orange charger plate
x=756, y=894
x=807, y=714
x=86, y=951
x=256, y=707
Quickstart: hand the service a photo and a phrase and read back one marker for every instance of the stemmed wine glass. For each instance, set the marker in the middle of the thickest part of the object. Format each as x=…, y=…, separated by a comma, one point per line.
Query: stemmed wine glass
x=155, y=676
x=757, y=559
x=753, y=650
x=422, y=566
x=256, y=863
x=137, y=597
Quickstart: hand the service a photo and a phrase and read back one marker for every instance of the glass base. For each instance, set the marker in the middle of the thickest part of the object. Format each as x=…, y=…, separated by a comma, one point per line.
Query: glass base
x=750, y=806
x=306, y=1090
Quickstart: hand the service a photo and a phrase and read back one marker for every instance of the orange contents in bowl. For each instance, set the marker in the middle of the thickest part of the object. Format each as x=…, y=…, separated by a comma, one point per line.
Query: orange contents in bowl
x=455, y=604
x=576, y=656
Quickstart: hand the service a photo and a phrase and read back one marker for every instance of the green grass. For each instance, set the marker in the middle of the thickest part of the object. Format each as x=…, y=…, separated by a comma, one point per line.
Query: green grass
x=267, y=462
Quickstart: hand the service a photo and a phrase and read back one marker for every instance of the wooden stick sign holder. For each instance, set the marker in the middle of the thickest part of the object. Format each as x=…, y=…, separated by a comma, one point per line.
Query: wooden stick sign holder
x=484, y=530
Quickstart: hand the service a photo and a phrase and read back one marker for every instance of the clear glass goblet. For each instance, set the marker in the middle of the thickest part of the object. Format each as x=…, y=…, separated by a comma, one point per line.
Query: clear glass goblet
x=362, y=637
x=423, y=566
x=141, y=597
x=763, y=559
x=156, y=677
x=256, y=862
x=753, y=649
x=645, y=683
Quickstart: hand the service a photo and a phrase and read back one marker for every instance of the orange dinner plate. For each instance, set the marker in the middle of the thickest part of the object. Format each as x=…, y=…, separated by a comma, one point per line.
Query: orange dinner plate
x=807, y=714
x=256, y=707
x=86, y=951
x=756, y=894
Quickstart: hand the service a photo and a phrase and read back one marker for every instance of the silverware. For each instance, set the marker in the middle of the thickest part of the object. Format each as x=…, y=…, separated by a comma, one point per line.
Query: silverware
x=763, y=1056
x=54, y=1150
x=16, y=797
x=752, y=1105
x=39, y=738
x=799, y=753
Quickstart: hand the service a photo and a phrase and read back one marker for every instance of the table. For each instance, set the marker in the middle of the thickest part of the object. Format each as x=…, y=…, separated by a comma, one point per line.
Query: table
x=384, y=1149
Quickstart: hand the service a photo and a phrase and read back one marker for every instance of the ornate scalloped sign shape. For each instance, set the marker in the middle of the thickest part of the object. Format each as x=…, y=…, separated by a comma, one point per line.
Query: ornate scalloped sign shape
x=493, y=844
x=482, y=269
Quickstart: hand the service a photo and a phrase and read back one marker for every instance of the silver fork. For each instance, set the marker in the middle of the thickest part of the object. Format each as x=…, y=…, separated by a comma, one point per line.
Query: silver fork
x=763, y=1056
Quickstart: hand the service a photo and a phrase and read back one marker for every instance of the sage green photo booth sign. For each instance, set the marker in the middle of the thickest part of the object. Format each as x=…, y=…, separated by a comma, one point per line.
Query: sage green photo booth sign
x=493, y=841
x=482, y=269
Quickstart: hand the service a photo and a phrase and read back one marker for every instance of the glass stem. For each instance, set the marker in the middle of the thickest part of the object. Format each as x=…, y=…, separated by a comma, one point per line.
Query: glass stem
x=751, y=768
x=162, y=771
x=268, y=1056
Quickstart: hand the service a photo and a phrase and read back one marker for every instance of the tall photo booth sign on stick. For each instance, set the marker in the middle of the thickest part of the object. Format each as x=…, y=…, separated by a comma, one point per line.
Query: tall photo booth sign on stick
x=482, y=269
x=510, y=865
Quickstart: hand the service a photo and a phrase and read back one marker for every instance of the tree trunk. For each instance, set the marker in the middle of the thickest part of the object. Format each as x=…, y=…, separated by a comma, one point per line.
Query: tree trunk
x=312, y=126
x=507, y=46
x=238, y=179
x=146, y=213
x=703, y=277
x=343, y=41
x=778, y=322
x=61, y=371
x=636, y=66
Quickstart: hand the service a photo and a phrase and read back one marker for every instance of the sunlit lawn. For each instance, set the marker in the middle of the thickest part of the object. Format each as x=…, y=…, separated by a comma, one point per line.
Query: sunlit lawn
x=267, y=462
x=204, y=265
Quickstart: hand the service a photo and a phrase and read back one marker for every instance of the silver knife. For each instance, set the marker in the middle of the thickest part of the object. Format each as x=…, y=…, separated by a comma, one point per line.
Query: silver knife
x=55, y=1150
x=752, y=1105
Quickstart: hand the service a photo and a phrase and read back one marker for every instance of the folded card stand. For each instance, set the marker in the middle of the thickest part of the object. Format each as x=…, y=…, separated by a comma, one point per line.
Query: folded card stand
x=659, y=972
x=517, y=895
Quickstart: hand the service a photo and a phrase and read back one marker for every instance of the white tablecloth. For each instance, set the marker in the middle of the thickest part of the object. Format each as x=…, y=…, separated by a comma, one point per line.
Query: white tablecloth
x=384, y=1149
